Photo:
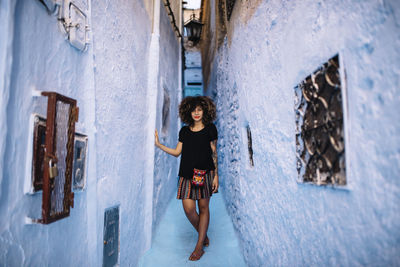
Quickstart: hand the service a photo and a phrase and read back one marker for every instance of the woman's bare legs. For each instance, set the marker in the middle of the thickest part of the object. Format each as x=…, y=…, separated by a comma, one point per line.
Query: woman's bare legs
x=199, y=221
x=204, y=219
x=189, y=206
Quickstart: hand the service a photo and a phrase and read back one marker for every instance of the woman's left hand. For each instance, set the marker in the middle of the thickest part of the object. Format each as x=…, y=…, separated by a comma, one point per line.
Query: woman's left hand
x=215, y=184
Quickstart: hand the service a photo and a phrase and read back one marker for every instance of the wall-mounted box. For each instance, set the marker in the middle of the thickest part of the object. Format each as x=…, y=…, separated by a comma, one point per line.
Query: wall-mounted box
x=79, y=170
x=111, y=237
x=38, y=152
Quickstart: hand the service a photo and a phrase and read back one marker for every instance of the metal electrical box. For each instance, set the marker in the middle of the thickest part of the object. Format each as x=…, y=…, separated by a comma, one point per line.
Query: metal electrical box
x=79, y=170
x=111, y=237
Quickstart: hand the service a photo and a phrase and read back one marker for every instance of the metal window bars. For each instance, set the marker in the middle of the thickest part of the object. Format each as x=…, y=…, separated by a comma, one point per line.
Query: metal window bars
x=319, y=127
x=62, y=113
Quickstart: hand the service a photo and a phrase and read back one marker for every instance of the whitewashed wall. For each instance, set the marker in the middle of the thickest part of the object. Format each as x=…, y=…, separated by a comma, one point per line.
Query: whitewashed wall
x=271, y=47
x=109, y=82
x=169, y=82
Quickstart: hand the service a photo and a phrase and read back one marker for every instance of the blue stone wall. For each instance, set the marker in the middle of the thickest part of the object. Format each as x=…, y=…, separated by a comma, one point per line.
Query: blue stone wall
x=271, y=47
x=121, y=40
x=166, y=166
x=109, y=81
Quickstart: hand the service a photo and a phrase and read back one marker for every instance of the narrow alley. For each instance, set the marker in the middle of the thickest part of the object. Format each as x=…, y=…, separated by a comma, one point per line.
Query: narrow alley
x=306, y=139
x=173, y=241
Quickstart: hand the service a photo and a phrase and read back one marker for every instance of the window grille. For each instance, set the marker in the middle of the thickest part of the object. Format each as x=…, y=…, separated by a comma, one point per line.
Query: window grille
x=62, y=114
x=319, y=127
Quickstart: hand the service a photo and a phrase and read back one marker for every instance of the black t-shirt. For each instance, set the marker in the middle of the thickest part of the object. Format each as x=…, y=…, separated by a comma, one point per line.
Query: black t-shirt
x=196, y=149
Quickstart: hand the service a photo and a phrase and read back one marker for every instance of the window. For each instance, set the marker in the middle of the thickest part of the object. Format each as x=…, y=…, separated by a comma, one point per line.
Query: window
x=56, y=163
x=319, y=126
x=39, y=138
x=165, y=112
x=250, y=145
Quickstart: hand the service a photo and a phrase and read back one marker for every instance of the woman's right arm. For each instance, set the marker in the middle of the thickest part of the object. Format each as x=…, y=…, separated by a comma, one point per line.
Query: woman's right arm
x=174, y=152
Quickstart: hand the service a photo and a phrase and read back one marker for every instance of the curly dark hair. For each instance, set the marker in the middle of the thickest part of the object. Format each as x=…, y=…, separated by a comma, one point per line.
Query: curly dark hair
x=190, y=103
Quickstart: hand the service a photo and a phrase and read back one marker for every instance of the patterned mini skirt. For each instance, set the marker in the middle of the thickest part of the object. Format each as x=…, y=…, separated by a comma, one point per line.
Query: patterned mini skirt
x=188, y=191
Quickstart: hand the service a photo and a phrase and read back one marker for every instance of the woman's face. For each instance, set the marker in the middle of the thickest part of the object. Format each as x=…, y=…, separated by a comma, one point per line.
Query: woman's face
x=197, y=114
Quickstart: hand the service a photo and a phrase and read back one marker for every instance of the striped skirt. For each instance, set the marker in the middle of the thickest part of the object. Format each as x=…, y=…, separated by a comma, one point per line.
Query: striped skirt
x=187, y=190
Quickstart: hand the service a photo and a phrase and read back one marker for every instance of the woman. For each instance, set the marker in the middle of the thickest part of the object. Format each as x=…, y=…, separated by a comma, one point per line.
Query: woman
x=198, y=145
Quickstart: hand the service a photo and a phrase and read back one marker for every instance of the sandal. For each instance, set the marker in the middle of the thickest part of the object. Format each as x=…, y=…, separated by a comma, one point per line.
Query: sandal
x=195, y=257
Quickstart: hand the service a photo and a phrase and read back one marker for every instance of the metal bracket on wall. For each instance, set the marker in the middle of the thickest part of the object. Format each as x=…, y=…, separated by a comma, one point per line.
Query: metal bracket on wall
x=75, y=24
x=73, y=20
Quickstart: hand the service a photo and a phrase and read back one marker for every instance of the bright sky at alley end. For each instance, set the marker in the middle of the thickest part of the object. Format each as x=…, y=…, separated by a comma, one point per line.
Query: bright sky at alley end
x=192, y=4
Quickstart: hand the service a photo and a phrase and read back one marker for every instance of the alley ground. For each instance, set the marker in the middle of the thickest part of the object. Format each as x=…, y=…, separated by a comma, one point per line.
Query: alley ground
x=175, y=239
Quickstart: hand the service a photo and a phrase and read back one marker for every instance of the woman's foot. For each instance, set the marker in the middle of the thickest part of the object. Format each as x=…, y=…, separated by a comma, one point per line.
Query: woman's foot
x=196, y=255
x=206, y=242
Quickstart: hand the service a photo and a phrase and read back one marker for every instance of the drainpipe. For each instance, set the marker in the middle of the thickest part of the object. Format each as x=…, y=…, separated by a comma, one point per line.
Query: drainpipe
x=152, y=88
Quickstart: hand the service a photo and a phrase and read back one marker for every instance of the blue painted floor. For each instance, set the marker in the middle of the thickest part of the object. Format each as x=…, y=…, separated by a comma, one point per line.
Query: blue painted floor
x=176, y=238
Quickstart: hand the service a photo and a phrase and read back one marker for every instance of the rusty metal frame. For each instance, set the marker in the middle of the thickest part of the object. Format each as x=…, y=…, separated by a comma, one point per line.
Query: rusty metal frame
x=50, y=154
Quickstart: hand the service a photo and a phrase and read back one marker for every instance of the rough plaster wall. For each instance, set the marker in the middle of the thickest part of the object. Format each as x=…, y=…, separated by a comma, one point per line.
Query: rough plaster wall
x=44, y=61
x=165, y=166
x=281, y=222
x=109, y=82
x=122, y=32
x=7, y=33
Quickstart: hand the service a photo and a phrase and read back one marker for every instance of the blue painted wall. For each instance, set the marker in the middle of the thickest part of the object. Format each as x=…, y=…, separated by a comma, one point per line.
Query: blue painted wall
x=110, y=83
x=193, y=72
x=169, y=82
x=272, y=46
